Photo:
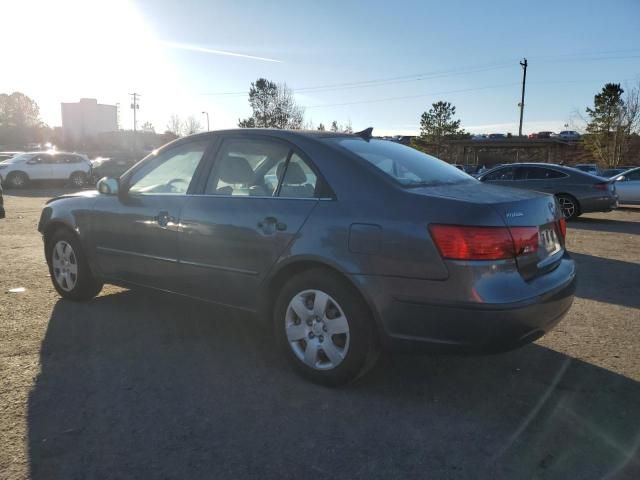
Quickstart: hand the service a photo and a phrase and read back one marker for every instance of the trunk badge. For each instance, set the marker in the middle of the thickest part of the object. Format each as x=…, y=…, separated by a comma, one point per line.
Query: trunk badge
x=514, y=214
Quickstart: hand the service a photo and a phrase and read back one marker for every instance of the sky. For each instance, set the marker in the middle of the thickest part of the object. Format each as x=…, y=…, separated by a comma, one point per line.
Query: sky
x=374, y=63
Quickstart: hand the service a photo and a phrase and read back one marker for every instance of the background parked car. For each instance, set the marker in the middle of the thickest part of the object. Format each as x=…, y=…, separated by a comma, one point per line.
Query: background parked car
x=591, y=168
x=495, y=136
x=8, y=155
x=577, y=192
x=544, y=134
x=613, y=172
x=110, y=167
x=569, y=135
x=18, y=171
x=629, y=187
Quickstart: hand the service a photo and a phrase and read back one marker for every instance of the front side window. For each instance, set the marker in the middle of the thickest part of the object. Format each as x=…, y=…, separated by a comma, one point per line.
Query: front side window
x=406, y=165
x=500, y=174
x=170, y=172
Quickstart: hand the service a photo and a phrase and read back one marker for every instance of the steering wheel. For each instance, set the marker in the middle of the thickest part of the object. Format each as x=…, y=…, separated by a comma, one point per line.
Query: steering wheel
x=171, y=183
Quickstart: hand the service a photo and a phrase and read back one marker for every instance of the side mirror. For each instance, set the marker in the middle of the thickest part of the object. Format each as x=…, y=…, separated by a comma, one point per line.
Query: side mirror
x=108, y=186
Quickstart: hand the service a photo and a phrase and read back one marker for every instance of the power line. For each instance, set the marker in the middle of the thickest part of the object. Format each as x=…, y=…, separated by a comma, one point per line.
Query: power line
x=383, y=81
x=414, y=96
x=595, y=56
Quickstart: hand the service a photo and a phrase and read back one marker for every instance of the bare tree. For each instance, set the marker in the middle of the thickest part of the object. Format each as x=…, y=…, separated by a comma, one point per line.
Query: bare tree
x=192, y=125
x=348, y=128
x=175, y=125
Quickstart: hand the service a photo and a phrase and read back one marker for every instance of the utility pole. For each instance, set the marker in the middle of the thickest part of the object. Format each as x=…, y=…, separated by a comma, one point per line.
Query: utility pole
x=207, y=114
x=524, y=81
x=135, y=106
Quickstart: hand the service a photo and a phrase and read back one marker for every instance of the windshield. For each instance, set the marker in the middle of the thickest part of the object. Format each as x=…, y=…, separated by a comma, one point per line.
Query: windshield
x=406, y=165
x=19, y=158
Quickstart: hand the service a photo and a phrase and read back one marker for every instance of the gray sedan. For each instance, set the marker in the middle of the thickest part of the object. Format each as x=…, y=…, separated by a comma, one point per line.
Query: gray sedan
x=628, y=187
x=345, y=243
x=577, y=192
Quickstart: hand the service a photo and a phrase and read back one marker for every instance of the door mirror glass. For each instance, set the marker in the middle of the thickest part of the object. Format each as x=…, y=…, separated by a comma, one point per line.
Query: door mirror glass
x=620, y=178
x=108, y=186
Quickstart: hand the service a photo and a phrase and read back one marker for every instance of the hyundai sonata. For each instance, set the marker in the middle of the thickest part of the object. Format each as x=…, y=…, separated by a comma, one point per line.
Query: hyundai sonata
x=346, y=243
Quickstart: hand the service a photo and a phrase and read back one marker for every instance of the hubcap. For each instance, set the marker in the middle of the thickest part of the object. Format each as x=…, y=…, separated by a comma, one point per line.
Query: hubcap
x=78, y=180
x=317, y=329
x=65, y=265
x=18, y=181
x=567, y=207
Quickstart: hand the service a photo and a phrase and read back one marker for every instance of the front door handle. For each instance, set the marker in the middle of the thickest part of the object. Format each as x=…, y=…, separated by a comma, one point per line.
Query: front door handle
x=269, y=224
x=163, y=218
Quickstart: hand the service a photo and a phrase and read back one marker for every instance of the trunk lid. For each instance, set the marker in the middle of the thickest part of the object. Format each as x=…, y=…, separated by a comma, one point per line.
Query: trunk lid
x=517, y=208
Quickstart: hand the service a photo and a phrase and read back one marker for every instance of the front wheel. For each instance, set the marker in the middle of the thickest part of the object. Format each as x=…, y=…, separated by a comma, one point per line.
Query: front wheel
x=324, y=328
x=78, y=179
x=18, y=179
x=69, y=269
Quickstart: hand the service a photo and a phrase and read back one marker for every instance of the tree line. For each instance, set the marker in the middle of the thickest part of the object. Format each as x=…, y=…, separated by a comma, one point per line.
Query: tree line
x=612, y=123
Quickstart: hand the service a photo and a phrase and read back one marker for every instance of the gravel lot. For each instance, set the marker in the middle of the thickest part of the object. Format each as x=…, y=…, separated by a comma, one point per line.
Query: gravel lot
x=143, y=385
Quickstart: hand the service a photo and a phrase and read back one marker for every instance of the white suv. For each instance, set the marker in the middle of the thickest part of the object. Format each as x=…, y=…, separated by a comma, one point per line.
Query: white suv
x=16, y=172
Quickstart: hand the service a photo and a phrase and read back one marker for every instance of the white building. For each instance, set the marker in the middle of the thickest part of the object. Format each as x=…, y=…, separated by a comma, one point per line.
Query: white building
x=88, y=118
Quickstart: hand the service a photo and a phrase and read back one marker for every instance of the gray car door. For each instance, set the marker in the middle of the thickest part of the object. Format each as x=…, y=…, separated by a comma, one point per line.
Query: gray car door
x=257, y=197
x=135, y=234
x=629, y=189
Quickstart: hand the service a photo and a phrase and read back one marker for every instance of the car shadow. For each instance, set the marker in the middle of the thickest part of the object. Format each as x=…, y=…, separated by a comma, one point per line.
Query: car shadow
x=138, y=385
x=607, y=280
x=606, y=225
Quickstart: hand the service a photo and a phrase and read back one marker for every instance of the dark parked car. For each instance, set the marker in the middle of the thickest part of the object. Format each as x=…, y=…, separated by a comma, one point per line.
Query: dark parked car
x=346, y=243
x=577, y=192
x=110, y=167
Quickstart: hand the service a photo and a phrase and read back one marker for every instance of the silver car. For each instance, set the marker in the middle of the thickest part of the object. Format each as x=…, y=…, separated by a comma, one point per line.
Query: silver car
x=628, y=187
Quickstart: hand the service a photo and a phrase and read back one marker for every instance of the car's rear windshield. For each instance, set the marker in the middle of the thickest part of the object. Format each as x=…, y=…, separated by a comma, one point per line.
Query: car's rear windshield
x=19, y=158
x=406, y=165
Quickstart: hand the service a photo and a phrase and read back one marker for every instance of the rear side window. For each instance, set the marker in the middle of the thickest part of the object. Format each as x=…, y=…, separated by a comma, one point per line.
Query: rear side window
x=406, y=165
x=540, y=173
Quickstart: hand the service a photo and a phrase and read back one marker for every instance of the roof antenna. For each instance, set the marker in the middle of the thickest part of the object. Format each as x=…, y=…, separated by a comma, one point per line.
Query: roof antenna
x=365, y=134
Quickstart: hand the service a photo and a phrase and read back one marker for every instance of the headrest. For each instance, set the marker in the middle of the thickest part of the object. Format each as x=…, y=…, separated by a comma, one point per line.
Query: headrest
x=295, y=174
x=235, y=170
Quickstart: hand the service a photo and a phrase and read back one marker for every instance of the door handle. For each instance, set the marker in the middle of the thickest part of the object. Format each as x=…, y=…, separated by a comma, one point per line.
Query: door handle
x=163, y=218
x=268, y=224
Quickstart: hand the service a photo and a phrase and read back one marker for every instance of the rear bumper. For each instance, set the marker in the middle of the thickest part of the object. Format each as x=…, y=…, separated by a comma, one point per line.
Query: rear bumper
x=604, y=203
x=469, y=327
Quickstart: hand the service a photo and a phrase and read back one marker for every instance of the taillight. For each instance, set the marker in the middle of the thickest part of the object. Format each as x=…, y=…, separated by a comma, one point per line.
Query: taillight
x=601, y=186
x=457, y=242
x=562, y=226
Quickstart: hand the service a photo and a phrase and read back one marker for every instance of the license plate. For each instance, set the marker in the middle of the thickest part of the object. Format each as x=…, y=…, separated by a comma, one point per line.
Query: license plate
x=549, y=240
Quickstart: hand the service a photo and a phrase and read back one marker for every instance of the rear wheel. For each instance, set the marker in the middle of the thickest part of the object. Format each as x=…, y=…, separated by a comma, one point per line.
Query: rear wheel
x=69, y=269
x=569, y=206
x=17, y=179
x=324, y=328
x=78, y=179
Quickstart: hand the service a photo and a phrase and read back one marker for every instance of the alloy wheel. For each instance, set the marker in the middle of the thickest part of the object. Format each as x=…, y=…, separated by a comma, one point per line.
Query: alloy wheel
x=64, y=265
x=567, y=206
x=317, y=329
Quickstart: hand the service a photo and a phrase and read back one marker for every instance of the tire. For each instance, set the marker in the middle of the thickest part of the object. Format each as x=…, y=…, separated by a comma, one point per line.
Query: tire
x=78, y=179
x=70, y=272
x=569, y=205
x=353, y=347
x=17, y=180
